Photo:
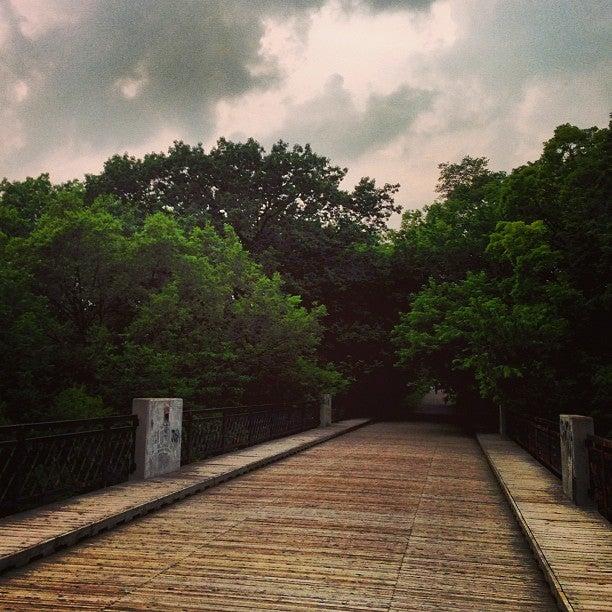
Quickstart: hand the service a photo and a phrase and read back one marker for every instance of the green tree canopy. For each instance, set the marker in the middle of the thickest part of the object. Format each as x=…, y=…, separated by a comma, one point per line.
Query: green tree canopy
x=291, y=212
x=179, y=273
x=93, y=308
x=515, y=302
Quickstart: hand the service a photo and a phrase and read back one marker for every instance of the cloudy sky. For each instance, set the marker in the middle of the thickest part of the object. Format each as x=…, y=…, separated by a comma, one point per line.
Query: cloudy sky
x=388, y=88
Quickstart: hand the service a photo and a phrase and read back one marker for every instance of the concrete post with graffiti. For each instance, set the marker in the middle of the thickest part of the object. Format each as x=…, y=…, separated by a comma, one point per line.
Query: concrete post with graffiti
x=158, y=437
x=574, y=430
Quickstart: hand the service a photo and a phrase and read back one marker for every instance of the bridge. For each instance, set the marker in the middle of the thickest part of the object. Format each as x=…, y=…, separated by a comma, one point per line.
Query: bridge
x=358, y=516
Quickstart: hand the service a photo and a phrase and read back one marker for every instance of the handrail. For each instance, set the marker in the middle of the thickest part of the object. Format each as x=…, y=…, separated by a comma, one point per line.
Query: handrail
x=600, y=441
x=212, y=431
x=539, y=436
x=45, y=462
x=237, y=406
x=68, y=434
x=600, y=473
x=66, y=422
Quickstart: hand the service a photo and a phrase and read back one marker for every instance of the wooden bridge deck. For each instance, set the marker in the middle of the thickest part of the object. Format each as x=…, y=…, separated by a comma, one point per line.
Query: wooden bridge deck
x=398, y=516
x=39, y=532
x=573, y=545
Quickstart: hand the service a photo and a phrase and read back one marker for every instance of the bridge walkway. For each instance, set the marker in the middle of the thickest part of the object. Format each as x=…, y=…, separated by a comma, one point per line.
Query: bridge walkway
x=41, y=531
x=392, y=516
x=572, y=545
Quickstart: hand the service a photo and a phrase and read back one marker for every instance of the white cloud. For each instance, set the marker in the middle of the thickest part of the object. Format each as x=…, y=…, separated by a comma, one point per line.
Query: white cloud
x=131, y=86
x=38, y=17
x=389, y=89
x=73, y=158
x=20, y=91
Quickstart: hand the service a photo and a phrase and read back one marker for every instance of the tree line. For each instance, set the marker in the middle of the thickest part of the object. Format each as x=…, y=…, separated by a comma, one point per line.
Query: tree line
x=240, y=275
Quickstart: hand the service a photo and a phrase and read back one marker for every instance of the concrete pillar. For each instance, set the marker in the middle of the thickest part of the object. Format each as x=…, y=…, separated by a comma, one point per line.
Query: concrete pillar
x=503, y=424
x=574, y=456
x=158, y=437
x=326, y=410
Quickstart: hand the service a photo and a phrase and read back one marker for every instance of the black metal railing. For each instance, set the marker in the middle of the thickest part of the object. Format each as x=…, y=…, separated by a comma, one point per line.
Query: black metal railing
x=338, y=412
x=45, y=462
x=540, y=437
x=212, y=431
x=600, y=473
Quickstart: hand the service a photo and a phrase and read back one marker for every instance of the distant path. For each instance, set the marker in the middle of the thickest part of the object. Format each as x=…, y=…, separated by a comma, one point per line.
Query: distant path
x=393, y=516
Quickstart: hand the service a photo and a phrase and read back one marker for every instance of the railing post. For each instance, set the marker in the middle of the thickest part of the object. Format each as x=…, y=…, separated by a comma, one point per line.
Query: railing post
x=16, y=471
x=574, y=430
x=135, y=424
x=158, y=437
x=106, y=451
x=503, y=424
x=250, y=426
x=325, y=413
x=187, y=426
x=223, y=430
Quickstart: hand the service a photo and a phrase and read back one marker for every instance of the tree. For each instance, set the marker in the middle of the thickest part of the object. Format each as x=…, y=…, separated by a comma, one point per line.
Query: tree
x=289, y=210
x=515, y=274
x=179, y=273
x=464, y=179
x=498, y=336
x=262, y=195
x=23, y=202
x=98, y=312
x=448, y=238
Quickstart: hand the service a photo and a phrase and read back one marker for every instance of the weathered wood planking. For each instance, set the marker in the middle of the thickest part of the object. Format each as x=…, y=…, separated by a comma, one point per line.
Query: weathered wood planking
x=573, y=545
x=41, y=531
x=392, y=516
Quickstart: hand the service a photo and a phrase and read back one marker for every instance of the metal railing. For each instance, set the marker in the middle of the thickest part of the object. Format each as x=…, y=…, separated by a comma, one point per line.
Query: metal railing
x=600, y=473
x=212, y=431
x=339, y=412
x=45, y=462
x=540, y=437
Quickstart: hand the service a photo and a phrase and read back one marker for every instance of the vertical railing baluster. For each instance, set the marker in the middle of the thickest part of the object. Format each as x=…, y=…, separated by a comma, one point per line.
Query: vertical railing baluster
x=270, y=412
x=106, y=453
x=223, y=430
x=187, y=436
x=17, y=470
x=134, y=423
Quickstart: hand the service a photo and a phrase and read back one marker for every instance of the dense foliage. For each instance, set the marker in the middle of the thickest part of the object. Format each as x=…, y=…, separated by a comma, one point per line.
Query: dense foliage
x=290, y=211
x=178, y=274
x=515, y=303
x=96, y=311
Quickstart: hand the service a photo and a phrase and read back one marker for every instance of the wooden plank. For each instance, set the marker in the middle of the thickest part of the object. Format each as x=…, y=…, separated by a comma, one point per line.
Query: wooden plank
x=39, y=532
x=572, y=545
x=367, y=521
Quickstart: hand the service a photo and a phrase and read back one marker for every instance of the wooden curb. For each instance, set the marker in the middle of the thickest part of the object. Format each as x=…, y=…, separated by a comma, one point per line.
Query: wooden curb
x=48, y=547
x=561, y=598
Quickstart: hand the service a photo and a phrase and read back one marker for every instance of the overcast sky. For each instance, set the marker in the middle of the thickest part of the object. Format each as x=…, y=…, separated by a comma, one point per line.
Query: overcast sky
x=388, y=88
